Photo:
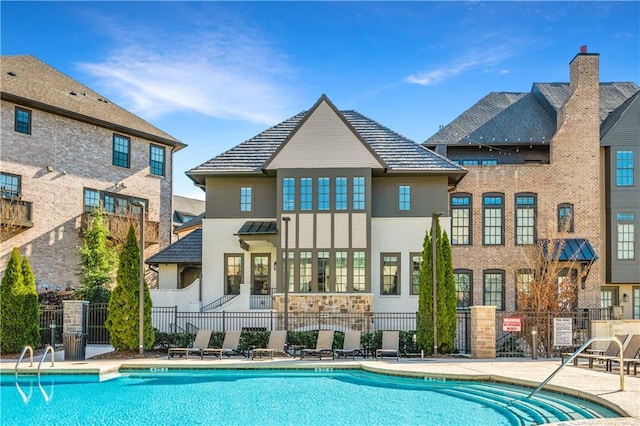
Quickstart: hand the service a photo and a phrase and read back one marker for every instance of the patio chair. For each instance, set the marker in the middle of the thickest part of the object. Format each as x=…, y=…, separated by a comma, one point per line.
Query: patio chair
x=351, y=346
x=629, y=355
x=390, y=345
x=229, y=345
x=277, y=340
x=324, y=346
x=612, y=351
x=200, y=343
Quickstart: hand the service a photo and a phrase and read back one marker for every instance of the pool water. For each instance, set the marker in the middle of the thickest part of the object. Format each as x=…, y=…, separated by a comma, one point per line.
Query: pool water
x=275, y=397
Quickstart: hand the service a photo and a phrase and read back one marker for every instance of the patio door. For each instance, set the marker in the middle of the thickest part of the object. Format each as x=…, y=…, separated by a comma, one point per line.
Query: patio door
x=260, y=279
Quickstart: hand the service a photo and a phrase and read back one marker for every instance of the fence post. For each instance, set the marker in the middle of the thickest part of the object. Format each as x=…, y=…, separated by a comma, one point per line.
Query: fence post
x=549, y=338
x=175, y=318
x=534, y=342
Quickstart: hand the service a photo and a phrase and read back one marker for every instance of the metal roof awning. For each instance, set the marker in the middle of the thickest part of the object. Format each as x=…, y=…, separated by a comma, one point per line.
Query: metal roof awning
x=257, y=231
x=570, y=250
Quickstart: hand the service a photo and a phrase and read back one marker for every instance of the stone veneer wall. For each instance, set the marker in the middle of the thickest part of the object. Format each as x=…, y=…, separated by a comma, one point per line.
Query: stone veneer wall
x=74, y=316
x=323, y=305
x=483, y=332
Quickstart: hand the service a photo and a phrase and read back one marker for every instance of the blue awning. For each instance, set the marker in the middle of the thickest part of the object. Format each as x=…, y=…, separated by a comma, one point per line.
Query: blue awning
x=570, y=250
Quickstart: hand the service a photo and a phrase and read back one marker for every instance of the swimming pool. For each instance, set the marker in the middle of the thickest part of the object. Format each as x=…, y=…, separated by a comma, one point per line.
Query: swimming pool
x=276, y=397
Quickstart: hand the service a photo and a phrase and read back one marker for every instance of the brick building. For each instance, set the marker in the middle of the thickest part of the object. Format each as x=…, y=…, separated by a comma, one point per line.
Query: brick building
x=65, y=150
x=537, y=171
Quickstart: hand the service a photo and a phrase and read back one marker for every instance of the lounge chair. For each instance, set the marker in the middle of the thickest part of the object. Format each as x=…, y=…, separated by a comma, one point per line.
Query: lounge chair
x=351, y=346
x=229, y=345
x=613, y=350
x=390, y=344
x=629, y=355
x=324, y=346
x=277, y=340
x=200, y=343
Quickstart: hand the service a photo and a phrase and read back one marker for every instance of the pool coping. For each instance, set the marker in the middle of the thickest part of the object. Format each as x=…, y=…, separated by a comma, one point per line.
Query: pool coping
x=433, y=368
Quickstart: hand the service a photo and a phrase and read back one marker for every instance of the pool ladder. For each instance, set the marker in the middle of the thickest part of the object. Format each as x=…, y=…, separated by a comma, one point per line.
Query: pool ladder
x=44, y=355
x=576, y=353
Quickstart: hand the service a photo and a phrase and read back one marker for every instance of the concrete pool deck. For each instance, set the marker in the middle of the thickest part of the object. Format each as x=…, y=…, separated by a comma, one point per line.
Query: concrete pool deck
x=580, y=381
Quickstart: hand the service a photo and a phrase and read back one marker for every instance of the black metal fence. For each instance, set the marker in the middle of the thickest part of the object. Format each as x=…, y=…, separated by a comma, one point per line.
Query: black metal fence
x=50, y=322
x=529, y=334
x=97, y=333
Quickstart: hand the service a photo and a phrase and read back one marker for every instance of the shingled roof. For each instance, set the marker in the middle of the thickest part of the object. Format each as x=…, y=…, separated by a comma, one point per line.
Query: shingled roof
x=187, y=249
x=512, y=118
x=398, y=153
x=29, y=82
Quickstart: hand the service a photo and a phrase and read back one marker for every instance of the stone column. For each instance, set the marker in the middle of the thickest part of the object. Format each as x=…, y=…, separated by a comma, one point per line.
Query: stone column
x=74, y=336
x=483, y=332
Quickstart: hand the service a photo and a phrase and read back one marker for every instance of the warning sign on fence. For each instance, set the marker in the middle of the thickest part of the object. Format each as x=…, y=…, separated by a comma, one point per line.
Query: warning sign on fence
x=511, y=324
x=562, y=332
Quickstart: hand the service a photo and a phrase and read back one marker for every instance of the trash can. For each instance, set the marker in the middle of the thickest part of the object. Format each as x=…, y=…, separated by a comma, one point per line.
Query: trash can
x=74, y=346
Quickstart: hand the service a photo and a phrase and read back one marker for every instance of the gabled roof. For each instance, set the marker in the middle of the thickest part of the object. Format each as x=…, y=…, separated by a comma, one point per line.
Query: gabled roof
x=398, y=153
x=616, y=114
x=196, y=222
x=29, y=82
x=513, y=118
x=188, y=249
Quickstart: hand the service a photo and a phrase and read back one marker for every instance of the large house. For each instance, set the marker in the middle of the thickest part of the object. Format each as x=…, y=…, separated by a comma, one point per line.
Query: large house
x=332, y=200
x=65, y=150
x=558, y=163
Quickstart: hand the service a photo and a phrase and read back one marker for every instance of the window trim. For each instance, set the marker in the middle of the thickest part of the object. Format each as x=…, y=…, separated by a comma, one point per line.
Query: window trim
x=357, y=203
x=28, y=122
x=152, y=161
x=500, y=272
x=412, y=270
x=484, y=217
x=18, y=191
x=227, y=256
x=101, y=197
x=517, y=207
x=250, y=188
x=288, y=199
x=128, y=153
x=469, y=208
x=401, y=199
x=306, y=198
x=341, y=196
x=469, y=272
x=621, y=179
x=398, y=274
x=253, y=275
x=623, y=221
x=561, y=226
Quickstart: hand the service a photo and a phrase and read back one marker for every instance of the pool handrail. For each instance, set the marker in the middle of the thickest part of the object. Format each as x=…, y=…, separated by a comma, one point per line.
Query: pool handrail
x=22, y=354
x=576, y=353
x=44, y=355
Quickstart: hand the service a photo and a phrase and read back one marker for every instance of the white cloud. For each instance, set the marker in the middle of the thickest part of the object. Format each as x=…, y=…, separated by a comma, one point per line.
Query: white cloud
x=222, y=74
x=470, y=61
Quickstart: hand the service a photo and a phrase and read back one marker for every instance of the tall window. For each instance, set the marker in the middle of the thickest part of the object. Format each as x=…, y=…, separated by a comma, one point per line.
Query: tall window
x=291, y=276
x=306, y=194
x=525, y=218
x=565, y=217
x=358, y=193
x=10, y=185
x=121, y=150
x=341, y=271
x=23, y=121
x=233, y=273
x=524, y=279
x=324, y=193
x=91, y=199
x=306, y=271
x=156, y=160
x=323, y=271
x=626, y=236
x=288, y=194
x=462, y=278
x=624, y=168
x=494, y=289
x=341, y=193
x=246, y=199
x=390, y=273
x=260, y=273
x=461, y=219
x=493, y=216
x=404, y=198
x=359, y=271
x=608, y=298
x=416, y=260
x=636, y=303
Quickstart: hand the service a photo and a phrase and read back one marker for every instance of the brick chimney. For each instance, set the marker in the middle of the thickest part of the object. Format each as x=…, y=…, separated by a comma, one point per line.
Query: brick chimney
x=584, y=69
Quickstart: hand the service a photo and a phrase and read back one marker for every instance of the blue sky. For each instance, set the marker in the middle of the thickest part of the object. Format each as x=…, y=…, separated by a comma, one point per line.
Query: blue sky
x=214, y=74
